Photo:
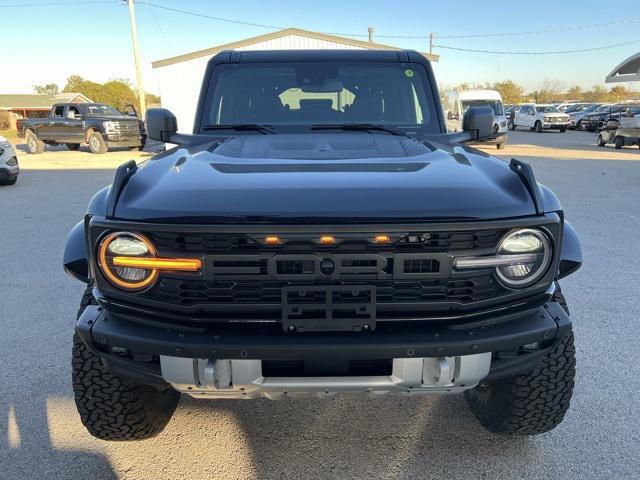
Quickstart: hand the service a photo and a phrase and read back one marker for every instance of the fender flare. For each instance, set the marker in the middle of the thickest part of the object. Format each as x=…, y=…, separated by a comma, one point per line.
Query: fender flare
x=570, y=251
x=75, y=259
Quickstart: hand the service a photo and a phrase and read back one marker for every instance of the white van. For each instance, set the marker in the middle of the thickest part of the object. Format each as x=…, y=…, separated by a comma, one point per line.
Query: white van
x=458, y=102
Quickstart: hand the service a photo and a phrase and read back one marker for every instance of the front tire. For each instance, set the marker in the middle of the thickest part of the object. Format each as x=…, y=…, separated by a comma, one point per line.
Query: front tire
x=563, y=129
x=528, y=404
x=34, y=144
x=511, y=126
x=97, y=144
x=619, y=143
x=115, y=408
x=538, y=127
x=601, y=142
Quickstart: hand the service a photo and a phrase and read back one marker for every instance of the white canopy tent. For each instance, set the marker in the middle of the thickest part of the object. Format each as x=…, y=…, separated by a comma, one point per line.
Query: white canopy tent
x=627, y=71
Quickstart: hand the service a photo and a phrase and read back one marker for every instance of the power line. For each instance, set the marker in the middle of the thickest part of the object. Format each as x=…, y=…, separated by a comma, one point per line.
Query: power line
x=478, y=35
x=549, y=30
x=219, y=19
x=556, y=52
x=155, y=19
x=54, y=4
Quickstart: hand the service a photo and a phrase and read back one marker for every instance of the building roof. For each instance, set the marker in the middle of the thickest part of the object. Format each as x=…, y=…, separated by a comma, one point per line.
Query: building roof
x=209, y=52
x=35, y=101
x=627, y=71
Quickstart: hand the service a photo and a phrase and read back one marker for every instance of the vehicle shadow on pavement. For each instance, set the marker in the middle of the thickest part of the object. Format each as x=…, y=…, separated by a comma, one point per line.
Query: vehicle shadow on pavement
x=359, y=437
x=26, y=450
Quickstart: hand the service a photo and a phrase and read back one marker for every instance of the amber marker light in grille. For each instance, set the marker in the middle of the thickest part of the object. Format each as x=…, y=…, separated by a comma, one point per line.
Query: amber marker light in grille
x=382, y=239
x=272, y=240
x=327, y=239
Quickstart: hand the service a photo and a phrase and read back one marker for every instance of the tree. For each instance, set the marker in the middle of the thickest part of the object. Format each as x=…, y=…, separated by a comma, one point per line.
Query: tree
x=596, y=94
x=549, y=90
x=116, y=92
x=48, y=89
x=510, y=91
x=574, y=93
x=618, y=93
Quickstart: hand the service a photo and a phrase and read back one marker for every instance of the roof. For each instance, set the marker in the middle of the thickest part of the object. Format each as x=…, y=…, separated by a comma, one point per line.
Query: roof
x=208, y=52
x=627, y=71
x=36, y=101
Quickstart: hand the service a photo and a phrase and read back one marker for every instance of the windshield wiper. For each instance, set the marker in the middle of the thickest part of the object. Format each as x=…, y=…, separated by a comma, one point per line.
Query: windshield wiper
x=244, y=127
x=360, y=127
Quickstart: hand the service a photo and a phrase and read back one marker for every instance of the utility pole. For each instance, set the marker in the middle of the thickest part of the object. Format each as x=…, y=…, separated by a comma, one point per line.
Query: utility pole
x=432, y=36
x=370, y=34
x=136, y=57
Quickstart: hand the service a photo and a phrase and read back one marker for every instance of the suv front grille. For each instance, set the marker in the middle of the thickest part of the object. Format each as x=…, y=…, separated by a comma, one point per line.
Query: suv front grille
x=243, y=243
x=191, y=292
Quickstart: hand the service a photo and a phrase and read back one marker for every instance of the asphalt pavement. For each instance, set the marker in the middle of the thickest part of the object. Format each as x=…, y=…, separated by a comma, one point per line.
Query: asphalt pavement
x=41, y=436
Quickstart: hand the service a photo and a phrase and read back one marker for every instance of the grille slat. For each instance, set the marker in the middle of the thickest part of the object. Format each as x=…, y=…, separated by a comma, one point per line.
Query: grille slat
x=189, y=292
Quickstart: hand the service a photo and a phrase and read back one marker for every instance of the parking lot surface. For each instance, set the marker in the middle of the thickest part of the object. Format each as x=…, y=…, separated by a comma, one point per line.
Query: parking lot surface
x=405, y=438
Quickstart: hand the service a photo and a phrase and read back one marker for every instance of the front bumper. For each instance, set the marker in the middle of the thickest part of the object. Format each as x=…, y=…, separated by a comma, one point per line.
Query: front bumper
x=555, y=126
x=426, y=358
x=114, y=140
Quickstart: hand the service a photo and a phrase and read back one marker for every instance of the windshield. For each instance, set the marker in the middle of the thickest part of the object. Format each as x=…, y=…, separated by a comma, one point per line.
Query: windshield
x=591, y=108
x=101, y=110
x=496, y=105
x=604, y=108
x=295, y=94
x=546, y=109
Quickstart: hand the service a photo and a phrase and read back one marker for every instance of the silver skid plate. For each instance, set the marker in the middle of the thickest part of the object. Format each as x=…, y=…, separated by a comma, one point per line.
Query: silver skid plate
x=204, y=378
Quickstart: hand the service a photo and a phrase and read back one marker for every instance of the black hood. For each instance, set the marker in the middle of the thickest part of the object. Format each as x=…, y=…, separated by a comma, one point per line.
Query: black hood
x=322, y=176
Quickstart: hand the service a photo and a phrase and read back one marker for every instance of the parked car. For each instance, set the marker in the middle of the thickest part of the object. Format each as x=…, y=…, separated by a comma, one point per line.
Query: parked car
x=456, y=103
x=321, y=232
x=575, y=117
x=593, y=121
x=9, y=168
x=72, y=124
x=540, y=117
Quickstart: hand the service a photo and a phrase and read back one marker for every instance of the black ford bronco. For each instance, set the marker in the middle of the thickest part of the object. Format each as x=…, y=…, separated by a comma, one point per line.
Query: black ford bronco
x=321, y=233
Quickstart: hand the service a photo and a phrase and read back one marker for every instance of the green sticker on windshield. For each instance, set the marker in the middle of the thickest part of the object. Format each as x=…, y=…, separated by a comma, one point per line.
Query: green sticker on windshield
x=408, y=73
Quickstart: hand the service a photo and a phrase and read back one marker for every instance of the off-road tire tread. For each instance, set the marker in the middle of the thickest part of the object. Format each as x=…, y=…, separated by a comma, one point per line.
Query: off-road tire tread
x=533, y=403
x=115, y=408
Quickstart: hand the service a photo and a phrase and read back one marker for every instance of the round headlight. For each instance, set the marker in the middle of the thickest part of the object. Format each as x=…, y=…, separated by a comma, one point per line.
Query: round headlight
x=127, y=245
x=531, y=251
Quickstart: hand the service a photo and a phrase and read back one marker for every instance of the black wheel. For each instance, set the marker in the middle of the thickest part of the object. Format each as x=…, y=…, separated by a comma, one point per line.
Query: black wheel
x=528, y=404
x=500, y=146
x=563, y=129
x=114, y=408
x=619, y=142
x=580, y=126
x=34, y=144
x=538, y=126
x=73, y=146
x=511, y=125
x=601, y=142
x=97, y=143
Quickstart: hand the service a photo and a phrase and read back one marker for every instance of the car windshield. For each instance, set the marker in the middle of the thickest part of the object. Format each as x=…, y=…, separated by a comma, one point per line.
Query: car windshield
x=573, y=108
x=546, y=109
x=604, y=108
x=101, y=110
x=496, y=105
x=306, y=94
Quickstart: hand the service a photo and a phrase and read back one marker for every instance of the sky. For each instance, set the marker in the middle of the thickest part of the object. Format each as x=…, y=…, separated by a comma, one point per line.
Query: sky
x=47, y=43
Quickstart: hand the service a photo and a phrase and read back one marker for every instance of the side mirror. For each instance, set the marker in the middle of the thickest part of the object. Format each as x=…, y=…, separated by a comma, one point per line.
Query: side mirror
x=161, y=124
x=452, y=116
x=479, y=122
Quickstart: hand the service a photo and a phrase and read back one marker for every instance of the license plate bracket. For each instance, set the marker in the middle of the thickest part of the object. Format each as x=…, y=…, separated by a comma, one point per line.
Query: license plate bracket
x=329, y=308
